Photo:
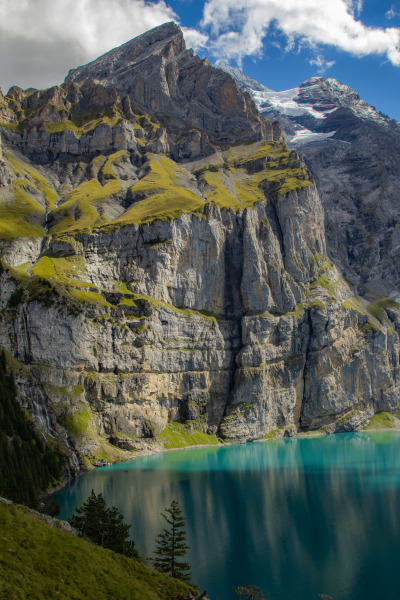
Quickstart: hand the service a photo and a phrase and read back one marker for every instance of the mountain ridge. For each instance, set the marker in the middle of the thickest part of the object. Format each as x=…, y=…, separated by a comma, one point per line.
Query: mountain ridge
x=178, y=250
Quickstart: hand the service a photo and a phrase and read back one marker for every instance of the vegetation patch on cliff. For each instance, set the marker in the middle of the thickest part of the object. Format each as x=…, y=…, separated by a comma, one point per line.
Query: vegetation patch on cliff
x=52, y=276
x=62, y=126
x=180, y=435
x=162, y=193
x=20, y=214
x=31, y=176
x=81, y=208
x=382, y=420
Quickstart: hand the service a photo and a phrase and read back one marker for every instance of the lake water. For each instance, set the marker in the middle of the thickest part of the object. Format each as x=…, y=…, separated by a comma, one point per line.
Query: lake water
x=296, y=517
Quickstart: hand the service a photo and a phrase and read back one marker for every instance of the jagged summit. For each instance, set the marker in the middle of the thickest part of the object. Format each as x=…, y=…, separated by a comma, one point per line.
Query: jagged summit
x=185, y=94
x=316, y=98
x=166, y=40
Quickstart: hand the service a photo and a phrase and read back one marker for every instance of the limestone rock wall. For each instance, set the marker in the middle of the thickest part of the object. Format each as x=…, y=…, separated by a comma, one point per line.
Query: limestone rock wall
x=236, y=323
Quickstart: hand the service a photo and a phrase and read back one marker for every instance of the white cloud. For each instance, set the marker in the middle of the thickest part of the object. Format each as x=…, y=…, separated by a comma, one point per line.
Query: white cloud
x=194, y=38
x=392, y=13
x=238, y=27
x=321, y=64
x=41, y=39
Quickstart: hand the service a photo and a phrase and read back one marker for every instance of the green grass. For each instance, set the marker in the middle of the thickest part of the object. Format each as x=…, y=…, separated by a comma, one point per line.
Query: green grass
x=38, y=561
x=61, y=270
x=78, y=211
x=326, y=283
x=75, y=392
x=293, y=183
x=20, y=272
x=377, y=312
x=20, y=214
x=79, y=131
x=230, y=181
x=127, y=302
x=239, y=155
x=121, y=288
x=167, y=197
x=107, y=169
x=388, y=303
x=297, y=312
x=383, y=420
x=89, y=297
x=77, y=422
x=60, y=274
x=354, y=304
x=11, y=126
x=237, y=186
x=272, y=434
x=184, y=312
x=353, y=413
x=220, y=193
x=39, y=183
x=317, y=303
x=178, y=435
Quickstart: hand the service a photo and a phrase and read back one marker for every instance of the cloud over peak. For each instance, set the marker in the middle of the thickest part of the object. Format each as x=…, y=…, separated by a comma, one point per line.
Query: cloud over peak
x=238, y=28
x=59, y=34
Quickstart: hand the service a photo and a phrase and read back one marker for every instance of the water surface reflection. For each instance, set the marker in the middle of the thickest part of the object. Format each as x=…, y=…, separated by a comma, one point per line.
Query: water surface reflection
x=297, y=517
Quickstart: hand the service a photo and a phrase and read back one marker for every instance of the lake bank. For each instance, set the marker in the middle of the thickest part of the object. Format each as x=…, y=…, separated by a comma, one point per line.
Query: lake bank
x=288, y=516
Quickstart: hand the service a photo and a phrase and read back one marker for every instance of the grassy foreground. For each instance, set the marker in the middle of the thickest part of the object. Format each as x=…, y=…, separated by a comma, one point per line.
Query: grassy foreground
x=41, y=562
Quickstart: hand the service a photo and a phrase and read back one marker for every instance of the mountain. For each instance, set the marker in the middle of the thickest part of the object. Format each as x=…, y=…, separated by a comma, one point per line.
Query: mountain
x=353, y=152
x=165, y=273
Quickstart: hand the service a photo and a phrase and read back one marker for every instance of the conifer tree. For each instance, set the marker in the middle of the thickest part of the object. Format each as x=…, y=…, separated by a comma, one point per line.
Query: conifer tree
x=103, y=526
x=172, y=545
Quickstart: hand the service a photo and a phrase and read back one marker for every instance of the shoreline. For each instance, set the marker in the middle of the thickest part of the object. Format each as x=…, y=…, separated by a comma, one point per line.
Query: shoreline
x=154, y=452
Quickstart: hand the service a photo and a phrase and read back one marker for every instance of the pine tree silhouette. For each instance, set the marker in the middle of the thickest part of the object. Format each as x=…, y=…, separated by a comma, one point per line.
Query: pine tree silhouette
x=172, y=545
x=103, y=526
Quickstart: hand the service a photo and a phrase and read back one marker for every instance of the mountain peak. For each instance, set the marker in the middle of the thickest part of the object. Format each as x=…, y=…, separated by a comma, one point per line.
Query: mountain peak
x=166, y=39
x=182, y=92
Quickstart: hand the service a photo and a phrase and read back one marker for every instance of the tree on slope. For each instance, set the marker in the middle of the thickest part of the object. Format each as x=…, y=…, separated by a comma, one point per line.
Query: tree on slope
x=103, y=526
x=171, y=545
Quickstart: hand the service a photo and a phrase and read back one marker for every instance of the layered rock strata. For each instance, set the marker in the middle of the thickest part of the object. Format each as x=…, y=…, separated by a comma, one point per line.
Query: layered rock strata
x=164, y=263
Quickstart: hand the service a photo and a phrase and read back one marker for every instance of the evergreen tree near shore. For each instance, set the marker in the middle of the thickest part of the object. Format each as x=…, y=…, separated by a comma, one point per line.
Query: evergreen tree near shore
x=103, y=526
x=28, y=464
x=171, y=545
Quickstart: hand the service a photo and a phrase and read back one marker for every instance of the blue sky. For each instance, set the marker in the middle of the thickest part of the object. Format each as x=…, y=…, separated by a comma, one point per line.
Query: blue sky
x=373, y=75
x=281, y=43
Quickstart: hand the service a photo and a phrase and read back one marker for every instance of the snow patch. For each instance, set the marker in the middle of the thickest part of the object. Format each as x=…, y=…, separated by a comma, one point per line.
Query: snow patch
x=305, y=136
x=284, y=103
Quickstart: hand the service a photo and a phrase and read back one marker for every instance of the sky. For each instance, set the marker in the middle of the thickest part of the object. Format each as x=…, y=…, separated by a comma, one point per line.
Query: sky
x=280, y=43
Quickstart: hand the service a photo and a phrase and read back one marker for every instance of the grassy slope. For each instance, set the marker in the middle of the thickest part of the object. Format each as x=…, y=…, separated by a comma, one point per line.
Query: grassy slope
x=166, y=195
x=38, y=562
x=177, y=435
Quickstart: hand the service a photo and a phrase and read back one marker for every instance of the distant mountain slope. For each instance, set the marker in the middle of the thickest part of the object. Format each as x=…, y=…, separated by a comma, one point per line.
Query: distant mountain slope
x=354, y=153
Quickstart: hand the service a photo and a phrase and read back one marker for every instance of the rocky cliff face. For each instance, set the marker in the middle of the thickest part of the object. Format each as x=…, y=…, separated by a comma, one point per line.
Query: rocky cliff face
x=164, y=265
x=353, y=152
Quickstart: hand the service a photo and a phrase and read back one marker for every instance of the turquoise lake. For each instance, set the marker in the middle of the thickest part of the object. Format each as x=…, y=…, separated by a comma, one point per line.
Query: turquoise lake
x=296, y=517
